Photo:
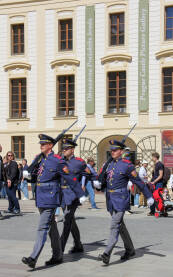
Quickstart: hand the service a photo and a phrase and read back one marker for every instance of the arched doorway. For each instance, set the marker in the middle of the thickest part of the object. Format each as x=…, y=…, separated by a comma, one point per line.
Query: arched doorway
x=103, y=148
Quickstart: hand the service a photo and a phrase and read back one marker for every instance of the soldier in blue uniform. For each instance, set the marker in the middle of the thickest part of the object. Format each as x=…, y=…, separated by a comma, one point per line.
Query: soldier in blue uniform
x=119, y=171
x=49, y=173
x=71, y=196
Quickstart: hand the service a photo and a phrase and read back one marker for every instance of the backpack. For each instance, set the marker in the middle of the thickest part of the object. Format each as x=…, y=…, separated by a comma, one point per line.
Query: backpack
x=166, y=175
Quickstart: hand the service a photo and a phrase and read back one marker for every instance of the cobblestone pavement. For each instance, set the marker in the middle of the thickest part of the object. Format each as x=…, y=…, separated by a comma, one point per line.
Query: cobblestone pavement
x=153, y=239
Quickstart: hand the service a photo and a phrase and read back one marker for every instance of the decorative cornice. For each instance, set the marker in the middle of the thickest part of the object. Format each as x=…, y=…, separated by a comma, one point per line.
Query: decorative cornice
x=63, y=61
x=116, y=57
x=164, y=53
x=15, y=65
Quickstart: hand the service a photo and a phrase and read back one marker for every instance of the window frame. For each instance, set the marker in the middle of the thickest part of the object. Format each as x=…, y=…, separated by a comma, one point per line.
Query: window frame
x=18, y=44
x=20, y=96
x=20, y=146
x=109, y=29
x=163, y=89
x=67, y=40
x=66, y=95
x=107, y=95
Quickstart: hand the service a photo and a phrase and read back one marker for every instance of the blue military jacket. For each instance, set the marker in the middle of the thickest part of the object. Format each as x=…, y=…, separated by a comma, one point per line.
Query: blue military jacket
x=118, y=174
x=50, y=171
x=77, y=167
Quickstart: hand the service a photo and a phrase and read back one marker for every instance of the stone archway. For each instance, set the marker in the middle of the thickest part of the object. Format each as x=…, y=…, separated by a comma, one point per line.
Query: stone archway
x=103, y=147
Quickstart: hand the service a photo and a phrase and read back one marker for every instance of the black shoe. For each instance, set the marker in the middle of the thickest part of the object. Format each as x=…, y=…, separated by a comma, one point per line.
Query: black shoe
x=127, y=256
x=54, y=261
x=150, y=214
x=16, y=212
x=29, y=261
x=8, y=211
x=76, y=250
x=105, y=258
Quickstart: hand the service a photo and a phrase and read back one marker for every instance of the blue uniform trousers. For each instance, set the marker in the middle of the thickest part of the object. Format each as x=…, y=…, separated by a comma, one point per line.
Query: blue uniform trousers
x=70, y=225
x=12, y=199
x=119, y=228
x=47, y=224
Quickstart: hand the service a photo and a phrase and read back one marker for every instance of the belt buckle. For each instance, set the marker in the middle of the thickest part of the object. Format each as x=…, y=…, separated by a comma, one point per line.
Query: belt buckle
x=38, y=184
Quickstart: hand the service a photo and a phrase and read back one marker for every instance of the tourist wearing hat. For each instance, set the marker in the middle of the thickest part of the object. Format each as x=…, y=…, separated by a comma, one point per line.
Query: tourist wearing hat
x=71, y=195
x=144, y=177
x=51, y=169
x=118, y=173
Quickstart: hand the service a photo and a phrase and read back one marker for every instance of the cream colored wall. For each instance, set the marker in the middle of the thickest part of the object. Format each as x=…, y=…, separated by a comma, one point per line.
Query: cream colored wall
x=113, y=124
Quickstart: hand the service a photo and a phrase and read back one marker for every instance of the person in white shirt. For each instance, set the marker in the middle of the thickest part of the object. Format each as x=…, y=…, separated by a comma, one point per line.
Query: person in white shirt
x=170, y=184
x=144, y=177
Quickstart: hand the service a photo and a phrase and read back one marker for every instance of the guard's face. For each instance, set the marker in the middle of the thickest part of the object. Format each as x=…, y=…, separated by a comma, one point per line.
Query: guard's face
x=46, y=147
x=68, y=152
x=116, y=153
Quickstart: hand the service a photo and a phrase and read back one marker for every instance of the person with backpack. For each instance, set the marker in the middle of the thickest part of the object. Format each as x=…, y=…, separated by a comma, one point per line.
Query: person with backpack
x=12, y=177
x=157, y=180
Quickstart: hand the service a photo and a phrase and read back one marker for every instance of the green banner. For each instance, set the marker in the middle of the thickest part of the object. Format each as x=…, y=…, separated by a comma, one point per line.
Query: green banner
x=143, y=56
x=90, y=60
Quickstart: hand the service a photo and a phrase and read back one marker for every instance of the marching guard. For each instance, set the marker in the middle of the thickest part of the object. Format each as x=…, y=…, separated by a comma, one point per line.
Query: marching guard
x=117, y=173
x=72, y=196
x=51, y=169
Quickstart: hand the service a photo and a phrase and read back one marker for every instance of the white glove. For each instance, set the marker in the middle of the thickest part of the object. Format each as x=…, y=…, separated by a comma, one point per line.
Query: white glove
x=26, y=175
x=150, y=201
x=82, y=199
x=97, y=184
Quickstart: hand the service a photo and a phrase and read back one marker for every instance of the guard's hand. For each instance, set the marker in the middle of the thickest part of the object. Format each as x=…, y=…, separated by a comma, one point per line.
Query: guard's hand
x=97, y=184
x=82, y=199
x=150, y=201
x=26, y=175
x=9, y=183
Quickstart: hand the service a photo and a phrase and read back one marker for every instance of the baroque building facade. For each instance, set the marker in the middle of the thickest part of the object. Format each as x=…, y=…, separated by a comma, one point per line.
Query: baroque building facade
x=108, y=64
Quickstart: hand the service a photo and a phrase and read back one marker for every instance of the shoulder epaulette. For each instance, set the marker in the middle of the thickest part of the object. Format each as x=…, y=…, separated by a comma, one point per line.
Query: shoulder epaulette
x=79, y=159
x=126, y=161
x=57, y=156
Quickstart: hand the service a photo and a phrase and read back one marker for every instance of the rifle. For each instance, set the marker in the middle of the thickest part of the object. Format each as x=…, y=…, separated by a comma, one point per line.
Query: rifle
x=77, y=136
x=32, y=169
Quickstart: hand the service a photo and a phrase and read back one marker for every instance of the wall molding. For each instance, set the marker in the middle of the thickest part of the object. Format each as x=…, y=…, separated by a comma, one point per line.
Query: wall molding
x=116, y=57
x=164, y=53
x=12, y=66
x=64, y=61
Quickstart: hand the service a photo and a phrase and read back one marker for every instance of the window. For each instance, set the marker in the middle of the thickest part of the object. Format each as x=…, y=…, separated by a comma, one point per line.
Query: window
x=68, y=136
x=169, y=23
x=117, y=29
x=117, y=92
x=65, y=91
x=17, y=39
x=18, y=98
x=18, y=147
x=65, y=35
x=167, y=97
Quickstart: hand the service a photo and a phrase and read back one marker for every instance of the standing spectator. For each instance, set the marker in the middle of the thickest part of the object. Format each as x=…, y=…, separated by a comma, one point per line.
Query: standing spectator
x=24, y=183
x=170, y=184
x=144, y=178
x=1, y=173
x=87, y=183
x=136, y=190
x=3, y=189
x=157, y=179
x=12, y=175
x=20, y=167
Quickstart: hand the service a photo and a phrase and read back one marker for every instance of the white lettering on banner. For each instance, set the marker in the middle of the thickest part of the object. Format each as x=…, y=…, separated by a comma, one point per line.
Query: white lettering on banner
x=142, y=54
x=90, y=60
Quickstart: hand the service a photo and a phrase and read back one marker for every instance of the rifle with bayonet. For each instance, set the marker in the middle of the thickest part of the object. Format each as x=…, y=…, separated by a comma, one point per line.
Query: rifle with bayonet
x=32, y=169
